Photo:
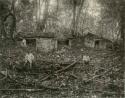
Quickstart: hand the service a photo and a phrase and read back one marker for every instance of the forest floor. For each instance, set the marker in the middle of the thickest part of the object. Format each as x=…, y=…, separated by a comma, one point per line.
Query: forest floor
x=60, y=73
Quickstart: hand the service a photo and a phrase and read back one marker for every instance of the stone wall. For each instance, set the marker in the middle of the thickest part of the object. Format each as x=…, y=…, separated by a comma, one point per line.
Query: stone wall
x=46, y=44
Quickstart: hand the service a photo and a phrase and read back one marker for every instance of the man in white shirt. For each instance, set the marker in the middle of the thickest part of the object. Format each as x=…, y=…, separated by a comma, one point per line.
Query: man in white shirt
x=86, y=59
x=29, y=58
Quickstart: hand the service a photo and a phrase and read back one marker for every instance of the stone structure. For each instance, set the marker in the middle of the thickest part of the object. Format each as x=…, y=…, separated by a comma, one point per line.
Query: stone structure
x=94, y=41
x=44, y=42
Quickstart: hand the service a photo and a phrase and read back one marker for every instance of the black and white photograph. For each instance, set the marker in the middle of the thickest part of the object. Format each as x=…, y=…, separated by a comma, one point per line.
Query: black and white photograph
x=62, y=48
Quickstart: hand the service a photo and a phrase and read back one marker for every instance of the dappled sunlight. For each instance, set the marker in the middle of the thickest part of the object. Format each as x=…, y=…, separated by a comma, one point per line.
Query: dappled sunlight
x=61, y=49
x=94, y=8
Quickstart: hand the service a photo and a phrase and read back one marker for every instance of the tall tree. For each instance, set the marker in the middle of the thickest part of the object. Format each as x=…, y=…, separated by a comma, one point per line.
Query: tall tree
x=40, y=6
x=122, y=15
x=4, y=9
x=77, y=8
x=81, y=2
x=8, y=18
x=74, y=16
x=12, y=17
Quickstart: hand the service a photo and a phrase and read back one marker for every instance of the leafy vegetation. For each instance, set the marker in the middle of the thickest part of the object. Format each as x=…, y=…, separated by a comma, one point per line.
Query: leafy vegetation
x=62, y=73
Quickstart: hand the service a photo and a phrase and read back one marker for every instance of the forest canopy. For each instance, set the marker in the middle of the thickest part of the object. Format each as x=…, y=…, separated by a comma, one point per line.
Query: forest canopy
x=67, y=16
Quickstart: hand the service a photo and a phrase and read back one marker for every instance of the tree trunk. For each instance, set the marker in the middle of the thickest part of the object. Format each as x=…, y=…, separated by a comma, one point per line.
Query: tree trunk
x=11, y=14
x=122, y=11
x=78, y=14
x=41, y=23
x=74, y=18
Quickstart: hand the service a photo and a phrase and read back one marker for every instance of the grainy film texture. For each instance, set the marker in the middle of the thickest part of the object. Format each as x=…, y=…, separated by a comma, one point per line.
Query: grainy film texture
x=62, y=48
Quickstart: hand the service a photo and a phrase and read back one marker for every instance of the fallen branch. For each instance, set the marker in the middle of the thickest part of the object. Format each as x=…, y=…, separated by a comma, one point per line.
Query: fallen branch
x=58, y=71
x=96, y=76
x=26, y=84
x=28, y=90
x=25, y=90
x=46, y=78
x=66, y=68
x=4, y=73
x=74, y=76
x=3, y=78
x=38, y=85
x=103, y=91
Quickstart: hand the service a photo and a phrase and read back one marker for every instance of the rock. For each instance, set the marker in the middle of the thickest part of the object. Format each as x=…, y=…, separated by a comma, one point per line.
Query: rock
x=57, y=56
x=81, y=50
x=0, y=54
x=4, y=72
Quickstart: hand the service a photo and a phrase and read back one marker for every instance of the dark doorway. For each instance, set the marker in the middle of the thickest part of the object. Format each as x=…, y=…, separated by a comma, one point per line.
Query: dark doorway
x=97, y=44
x=31, y=42
x=64, y=42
